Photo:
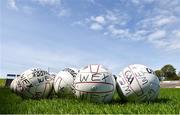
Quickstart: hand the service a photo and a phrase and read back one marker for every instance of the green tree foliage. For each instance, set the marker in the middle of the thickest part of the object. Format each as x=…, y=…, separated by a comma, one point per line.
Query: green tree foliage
x=169, y=72
x=159, y=73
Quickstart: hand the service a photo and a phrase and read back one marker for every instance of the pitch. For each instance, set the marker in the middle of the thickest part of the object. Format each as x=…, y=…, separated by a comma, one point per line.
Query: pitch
x=167, y=103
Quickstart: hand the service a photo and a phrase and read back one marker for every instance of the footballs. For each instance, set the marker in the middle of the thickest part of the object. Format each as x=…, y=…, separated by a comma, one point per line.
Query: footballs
x=64, y=80
x=53, y=75
x=137, y=83
x=94, y=83
x=35, y=83
x=13, y=85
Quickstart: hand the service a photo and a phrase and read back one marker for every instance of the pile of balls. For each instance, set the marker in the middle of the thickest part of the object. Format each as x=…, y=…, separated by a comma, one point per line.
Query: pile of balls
x=93, y=82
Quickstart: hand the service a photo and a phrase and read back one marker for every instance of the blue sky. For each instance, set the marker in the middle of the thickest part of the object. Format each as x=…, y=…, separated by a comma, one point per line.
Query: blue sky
x=74, y=33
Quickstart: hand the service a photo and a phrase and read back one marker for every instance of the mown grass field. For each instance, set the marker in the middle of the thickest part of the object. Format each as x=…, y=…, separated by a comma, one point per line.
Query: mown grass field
x=2, y=82
x=168, y=102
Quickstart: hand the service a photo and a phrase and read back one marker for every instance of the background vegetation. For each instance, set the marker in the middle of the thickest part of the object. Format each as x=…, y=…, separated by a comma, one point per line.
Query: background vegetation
x=168, y=72
x=2, y=83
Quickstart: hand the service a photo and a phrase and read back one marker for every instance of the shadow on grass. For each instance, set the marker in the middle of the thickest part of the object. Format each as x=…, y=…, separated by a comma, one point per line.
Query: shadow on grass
x=116, y=100
x=8, y=101
x=7, y=97
x=158, y=100
x=161, y=100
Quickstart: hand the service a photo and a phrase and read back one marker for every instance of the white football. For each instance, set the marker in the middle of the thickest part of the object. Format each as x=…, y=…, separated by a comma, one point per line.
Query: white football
x=64, y=80
x=138, y=83
x=13, y=85
x=94, y=83
x=34, y=83
x=53, y=75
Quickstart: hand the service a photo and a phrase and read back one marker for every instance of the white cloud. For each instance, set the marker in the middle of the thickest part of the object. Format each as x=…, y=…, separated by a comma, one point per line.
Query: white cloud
x=175, y=43
x=24, y=8
x=167, y=40
x=139, y=35
x=49, y=2
x=155, y=24
x=53, y=5
x=110, y=16
x=78, y=23
x=148, y=1
x=159, y=43
x=64, y=12
x=12, y=4
x=101, y=22
x=165, y=20
x=177, y=33
x=158, y=38
x=91, y=1
x=120, y=33
x=98, y=19
x=138, y=2
x=135, y=1
x=116, y=17
x=160, y=28
x=157, y=35
x=96, y=26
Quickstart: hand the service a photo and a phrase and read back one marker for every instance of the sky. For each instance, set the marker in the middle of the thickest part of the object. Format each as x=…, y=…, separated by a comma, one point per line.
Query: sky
x=56, y=34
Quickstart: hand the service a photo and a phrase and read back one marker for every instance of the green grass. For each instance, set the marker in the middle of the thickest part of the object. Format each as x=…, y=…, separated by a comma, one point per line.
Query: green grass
x=2, y=82
x=168, y=102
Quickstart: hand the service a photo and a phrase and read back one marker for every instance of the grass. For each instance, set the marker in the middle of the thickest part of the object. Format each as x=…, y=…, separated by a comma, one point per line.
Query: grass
x=2, y=82
x=168, y=102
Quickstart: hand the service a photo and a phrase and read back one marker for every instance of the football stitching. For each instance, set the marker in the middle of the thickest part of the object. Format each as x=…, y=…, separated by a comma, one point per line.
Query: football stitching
x=135, y=76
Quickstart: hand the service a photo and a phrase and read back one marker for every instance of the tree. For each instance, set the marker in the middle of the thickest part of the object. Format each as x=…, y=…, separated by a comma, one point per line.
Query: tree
x=159, y=74
x=169, y=72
